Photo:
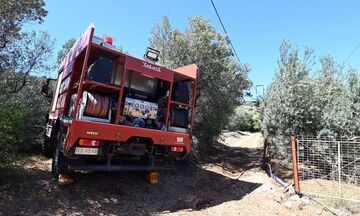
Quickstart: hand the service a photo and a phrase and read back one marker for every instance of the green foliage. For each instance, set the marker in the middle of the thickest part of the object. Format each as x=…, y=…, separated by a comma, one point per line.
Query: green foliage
x=11, y=132
x=256, y=121
x=311, y=102
x=21, y=54
x=12, y=122
x=22, y=57
x=221, y=79
x=33, y=108
x=14, y=13
x=64, y=50
x=245, y=120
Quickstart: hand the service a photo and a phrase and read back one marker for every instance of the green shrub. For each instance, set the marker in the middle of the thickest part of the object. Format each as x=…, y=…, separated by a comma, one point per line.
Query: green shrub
x=256, y=121
x=11, y=132
x=244, y=120
x=309, y=101
x=221, y=79
x=21, y=119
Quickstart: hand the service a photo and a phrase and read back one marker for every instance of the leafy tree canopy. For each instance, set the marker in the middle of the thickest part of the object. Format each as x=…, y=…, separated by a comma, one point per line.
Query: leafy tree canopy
x=221, y=79
x=310, y=101
x=14, y=13
x=64, y=50
x=22, y=53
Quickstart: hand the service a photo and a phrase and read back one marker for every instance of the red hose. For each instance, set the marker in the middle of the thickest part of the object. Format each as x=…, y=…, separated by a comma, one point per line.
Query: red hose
x=96, y=105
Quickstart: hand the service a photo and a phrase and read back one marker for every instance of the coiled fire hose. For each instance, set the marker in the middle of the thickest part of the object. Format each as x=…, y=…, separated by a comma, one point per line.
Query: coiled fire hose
x=95, y=105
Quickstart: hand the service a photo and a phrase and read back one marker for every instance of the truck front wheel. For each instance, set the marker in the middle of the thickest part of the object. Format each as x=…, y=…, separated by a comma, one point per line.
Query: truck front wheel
x=47, y=147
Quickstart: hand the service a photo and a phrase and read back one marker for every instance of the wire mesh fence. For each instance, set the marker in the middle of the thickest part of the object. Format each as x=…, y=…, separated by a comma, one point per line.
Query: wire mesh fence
x=330, y=169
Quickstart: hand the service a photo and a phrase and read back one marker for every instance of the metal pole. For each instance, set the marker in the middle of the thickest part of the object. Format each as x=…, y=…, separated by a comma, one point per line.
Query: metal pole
x=295, y=164
x=339, y=169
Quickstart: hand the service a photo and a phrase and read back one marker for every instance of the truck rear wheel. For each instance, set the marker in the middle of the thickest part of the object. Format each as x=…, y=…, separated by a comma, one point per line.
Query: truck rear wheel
x=58, y=162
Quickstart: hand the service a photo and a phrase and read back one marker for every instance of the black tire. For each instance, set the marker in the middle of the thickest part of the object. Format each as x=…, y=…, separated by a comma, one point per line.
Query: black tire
x=58, y=164
x=47, y=147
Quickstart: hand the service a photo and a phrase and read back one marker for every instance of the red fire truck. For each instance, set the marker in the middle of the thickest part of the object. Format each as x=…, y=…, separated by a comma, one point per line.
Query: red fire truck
x=111, y=111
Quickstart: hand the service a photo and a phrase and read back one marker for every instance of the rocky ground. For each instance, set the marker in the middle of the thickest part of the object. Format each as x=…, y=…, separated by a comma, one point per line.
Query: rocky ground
x=229, y=182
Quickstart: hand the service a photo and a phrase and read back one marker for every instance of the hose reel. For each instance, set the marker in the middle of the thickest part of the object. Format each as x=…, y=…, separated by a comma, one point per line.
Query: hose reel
x=94, y=107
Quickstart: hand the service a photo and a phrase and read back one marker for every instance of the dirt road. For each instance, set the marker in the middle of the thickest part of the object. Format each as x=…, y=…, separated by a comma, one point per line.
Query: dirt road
x=230, y=182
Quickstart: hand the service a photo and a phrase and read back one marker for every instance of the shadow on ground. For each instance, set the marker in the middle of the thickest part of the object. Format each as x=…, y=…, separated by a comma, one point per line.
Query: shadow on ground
x=29, y=192
x=235, y=158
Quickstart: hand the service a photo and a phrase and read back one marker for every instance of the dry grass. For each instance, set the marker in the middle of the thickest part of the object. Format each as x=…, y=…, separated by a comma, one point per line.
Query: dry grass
x=344, y=199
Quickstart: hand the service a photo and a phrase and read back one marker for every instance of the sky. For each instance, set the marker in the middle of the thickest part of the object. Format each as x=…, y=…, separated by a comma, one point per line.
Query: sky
x=256, y=28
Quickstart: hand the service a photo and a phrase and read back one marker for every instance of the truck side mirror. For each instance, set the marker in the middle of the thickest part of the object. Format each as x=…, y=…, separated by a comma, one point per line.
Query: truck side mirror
x=46, y=89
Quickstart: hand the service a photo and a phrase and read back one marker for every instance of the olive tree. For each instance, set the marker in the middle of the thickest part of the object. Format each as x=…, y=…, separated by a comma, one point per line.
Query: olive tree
x=14, y=14
x=221, y=79
x=21, y=54
x=307, y=101
x=64, y=50
x=285, y=109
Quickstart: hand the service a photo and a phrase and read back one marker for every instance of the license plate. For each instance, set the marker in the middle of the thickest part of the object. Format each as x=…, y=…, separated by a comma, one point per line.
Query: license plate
x=86, y=151
x=180, y=139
